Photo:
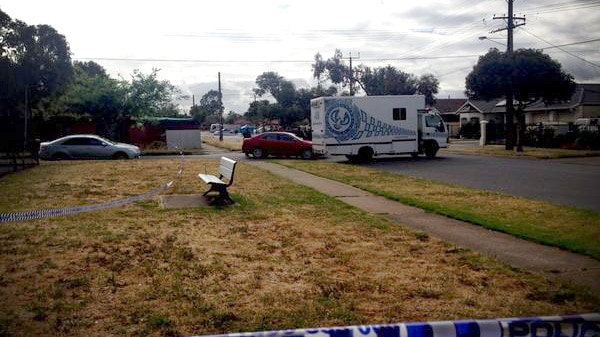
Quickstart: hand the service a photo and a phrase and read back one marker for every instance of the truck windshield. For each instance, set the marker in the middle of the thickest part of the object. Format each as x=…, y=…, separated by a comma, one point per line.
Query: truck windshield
x=435, y=121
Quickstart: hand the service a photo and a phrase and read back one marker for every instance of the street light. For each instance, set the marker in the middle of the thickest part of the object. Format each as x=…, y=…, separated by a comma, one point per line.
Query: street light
x=491, y=40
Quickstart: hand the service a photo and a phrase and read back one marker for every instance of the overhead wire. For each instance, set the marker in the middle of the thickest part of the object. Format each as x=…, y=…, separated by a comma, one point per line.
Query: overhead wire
x=559, y=47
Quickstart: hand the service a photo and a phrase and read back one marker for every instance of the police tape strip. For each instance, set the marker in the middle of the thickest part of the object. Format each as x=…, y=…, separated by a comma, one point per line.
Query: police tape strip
x=47, y=213
x=587, y=325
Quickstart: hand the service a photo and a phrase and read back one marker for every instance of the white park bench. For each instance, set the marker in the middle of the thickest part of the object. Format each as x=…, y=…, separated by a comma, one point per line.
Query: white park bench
x=226, y=171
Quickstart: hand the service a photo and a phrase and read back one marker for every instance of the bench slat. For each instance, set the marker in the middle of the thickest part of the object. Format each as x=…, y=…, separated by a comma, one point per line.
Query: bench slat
x=210, y=179
x=226, y=167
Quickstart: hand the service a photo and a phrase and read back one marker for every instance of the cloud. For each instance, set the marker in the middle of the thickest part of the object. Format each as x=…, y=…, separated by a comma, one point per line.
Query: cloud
x=280, y=30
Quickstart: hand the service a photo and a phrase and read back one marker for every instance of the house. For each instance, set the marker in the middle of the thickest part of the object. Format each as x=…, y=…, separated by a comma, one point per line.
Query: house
x=584, y=103
x=447, y=109
x=474, y=111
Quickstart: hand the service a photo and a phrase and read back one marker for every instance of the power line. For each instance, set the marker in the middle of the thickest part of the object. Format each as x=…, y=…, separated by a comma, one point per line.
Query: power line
x=561, y=7
x=564, y=50
x=571, y=44
x=265, y=61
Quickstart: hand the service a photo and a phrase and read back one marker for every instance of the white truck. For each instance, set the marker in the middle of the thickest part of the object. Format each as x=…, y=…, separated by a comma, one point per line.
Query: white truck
x=363, y=127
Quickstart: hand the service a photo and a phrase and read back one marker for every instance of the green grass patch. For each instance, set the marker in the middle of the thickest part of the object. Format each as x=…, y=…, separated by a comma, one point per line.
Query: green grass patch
x=566, y=227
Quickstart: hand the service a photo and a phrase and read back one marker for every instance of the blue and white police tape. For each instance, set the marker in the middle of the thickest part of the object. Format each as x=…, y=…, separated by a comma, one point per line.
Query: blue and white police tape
x=586, y=325
x=47, y=213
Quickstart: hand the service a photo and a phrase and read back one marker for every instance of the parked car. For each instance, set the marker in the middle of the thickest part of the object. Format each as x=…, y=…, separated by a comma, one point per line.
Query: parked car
x=277, y=144
x=86, y=146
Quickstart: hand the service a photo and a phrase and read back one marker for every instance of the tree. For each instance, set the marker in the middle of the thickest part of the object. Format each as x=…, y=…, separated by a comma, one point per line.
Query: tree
x=211, y=102
x=94, y=94
x=333, y=69
x=428, y=85
x=318, y=68
x=375, y=81
x=232, y=116
x=272, y=83
x=292, y=106
x=386, y=81
x=35, y=64
x=91, y=68
x=148, y=96
x=208, y=109
x=530, y=74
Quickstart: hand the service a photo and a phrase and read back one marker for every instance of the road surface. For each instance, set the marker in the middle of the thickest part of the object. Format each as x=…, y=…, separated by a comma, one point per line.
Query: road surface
x=574, y=182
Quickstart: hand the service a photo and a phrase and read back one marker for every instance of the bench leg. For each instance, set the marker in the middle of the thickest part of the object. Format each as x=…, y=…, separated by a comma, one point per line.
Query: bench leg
x=222, y=198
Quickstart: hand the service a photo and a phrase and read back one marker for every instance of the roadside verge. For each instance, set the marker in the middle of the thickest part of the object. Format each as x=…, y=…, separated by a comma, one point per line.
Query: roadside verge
x=570, y=267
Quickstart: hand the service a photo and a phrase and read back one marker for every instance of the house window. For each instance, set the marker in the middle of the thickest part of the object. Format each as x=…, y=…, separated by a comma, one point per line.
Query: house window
x=399, y=114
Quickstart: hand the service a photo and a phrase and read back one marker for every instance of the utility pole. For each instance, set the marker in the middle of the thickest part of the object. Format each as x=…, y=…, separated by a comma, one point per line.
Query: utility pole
x=220, y=110
x=510, y=107
x=352, y=73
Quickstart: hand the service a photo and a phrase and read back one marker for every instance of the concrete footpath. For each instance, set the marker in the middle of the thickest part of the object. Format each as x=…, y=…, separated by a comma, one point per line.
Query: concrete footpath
x=569, y=267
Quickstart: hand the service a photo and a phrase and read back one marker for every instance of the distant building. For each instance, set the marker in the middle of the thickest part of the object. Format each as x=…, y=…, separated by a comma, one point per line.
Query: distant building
x=584, y=103
x=447, y=108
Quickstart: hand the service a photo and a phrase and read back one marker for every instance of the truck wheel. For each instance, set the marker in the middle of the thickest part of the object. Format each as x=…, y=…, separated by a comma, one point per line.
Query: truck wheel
x=352, y=158
x=365, y=154
x=431, y=149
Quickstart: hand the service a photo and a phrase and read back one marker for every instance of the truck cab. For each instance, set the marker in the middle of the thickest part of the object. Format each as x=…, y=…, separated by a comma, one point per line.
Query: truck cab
x=433, y=133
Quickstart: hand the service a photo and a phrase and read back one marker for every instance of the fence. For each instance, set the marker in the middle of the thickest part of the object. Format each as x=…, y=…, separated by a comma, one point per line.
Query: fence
x=563, y=135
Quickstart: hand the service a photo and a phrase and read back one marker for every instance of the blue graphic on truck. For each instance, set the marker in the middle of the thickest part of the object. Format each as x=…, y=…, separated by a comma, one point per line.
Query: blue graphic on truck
x=346, y=121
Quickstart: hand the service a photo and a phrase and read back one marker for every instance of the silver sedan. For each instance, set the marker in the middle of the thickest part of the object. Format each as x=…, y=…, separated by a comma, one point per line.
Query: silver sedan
x=86, y=147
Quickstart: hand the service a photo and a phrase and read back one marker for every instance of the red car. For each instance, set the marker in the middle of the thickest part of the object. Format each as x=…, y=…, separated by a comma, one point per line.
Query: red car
x=277, y=144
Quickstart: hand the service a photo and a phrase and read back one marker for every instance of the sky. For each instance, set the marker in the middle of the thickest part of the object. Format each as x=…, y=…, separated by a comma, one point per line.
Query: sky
x=192, y=41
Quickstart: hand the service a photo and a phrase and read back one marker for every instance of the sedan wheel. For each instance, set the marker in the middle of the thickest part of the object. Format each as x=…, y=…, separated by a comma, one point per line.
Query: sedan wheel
x=120, y=155
x=59, y=156
x=258, y=153
x=307, y=154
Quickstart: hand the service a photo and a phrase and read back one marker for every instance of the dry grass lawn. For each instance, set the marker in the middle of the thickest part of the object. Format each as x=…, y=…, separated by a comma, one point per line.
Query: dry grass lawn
x=562, y=226
x=229, y=143
x=284, y=257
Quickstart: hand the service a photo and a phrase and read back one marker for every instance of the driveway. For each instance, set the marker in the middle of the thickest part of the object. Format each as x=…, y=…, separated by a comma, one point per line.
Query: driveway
x=574, y=182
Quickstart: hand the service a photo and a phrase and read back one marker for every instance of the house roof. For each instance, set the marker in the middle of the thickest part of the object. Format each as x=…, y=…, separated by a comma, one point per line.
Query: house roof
x=449, y=105
x=584, y=94
x=482, y=106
